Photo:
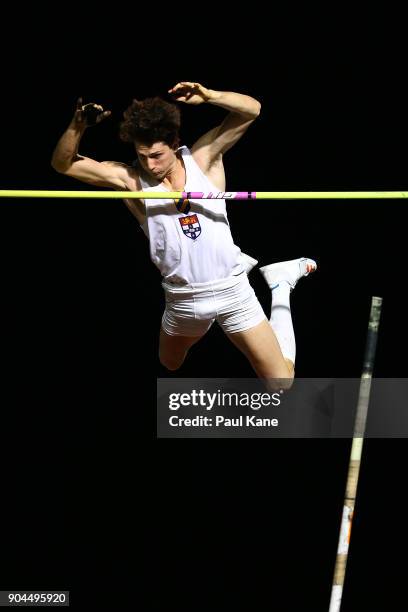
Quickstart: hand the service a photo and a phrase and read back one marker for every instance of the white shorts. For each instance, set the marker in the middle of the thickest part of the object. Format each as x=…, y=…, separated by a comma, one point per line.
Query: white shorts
x=190, y=311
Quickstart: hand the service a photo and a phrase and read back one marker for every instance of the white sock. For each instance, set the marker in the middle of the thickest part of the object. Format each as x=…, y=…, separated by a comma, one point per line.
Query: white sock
x=281, y=320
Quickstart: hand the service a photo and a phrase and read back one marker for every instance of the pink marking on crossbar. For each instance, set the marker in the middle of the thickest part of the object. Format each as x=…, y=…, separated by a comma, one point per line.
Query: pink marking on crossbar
x=245, y=195
x=238, y=195
x=194, y=195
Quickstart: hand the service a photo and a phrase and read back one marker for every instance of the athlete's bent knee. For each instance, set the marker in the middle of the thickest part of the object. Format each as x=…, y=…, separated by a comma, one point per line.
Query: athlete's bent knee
x=283, y=383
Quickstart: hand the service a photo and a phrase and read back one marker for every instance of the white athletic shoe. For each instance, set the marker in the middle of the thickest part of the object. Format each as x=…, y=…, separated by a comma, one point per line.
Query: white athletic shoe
x=249, y=262
x=289, y=271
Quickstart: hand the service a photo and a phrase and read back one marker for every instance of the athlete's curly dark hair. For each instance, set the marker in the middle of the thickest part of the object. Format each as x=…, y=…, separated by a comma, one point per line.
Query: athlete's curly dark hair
x=149, y=121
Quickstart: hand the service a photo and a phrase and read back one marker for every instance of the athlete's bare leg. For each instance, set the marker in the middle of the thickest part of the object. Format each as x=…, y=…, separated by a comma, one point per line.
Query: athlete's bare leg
x=270, y=346
x=260, y=346
x=173, y=349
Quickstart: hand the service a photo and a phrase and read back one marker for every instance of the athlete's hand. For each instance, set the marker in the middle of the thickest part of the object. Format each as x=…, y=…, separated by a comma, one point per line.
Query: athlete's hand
x=190, y=93
x=89, y=114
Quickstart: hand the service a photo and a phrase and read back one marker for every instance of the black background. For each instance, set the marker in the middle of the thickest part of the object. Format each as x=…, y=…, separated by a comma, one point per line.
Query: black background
x=92, y=501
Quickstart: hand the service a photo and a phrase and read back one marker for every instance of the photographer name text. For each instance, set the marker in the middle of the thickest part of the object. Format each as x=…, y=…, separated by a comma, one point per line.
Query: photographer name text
x=220, y=421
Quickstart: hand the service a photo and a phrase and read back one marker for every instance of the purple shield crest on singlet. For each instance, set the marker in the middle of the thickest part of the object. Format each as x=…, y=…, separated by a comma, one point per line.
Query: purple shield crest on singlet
x=190, y=226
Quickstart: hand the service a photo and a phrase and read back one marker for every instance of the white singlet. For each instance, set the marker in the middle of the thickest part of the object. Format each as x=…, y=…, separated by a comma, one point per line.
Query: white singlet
x=193, y=243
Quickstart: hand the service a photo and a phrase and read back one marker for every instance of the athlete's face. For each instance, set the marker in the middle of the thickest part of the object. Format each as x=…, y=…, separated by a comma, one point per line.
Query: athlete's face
x=157, y=159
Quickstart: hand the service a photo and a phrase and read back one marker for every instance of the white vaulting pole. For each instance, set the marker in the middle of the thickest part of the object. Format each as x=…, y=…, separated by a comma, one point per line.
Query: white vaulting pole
x=355, y=456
